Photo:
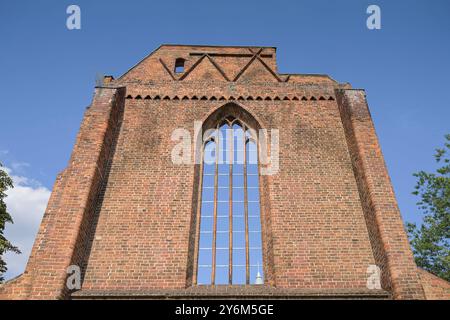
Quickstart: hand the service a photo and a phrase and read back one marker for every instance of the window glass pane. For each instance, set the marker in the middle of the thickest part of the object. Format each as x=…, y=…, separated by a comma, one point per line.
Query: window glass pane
x=239, y=274
x=252, y=180
x=254, y=223
x=209, y=168
x=222, y=257
x=253, y=208
x=238, y=208
x=223, y=194
x=254, y=239
x=238, y=237
x=255, y=257
x=239, y=256
x=223, y=208
x=209, y=156
x=224, y=145
x=204, y=275
x=208, y=194
x=238, y=168
x=224, y=168
x=206, y=224
x=238, y=180
x=207, y=209
x=208, y=181
x=238, y=194
x=252, y=157
x=206, y=241
x=238, y=135
x=223, y=223
x=221, y=275
x=238, y=156
x=205, y=257
x=222, y=240
x=252, y=169
x=253, y=194
x=238, y=144
x=224, y=180
x=239, y=248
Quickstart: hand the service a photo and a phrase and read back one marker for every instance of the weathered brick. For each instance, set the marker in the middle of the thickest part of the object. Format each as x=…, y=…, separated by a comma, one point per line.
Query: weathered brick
x=127, y=215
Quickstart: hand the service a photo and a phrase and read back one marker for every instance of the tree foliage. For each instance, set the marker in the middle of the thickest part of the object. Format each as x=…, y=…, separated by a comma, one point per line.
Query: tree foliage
x=5, y=245
x=431, y=240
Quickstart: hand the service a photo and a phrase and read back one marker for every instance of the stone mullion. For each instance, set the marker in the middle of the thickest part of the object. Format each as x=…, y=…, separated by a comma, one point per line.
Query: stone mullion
x=230, y=204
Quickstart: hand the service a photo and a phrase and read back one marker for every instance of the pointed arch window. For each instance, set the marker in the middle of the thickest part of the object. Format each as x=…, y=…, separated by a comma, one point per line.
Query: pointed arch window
x=230, y=238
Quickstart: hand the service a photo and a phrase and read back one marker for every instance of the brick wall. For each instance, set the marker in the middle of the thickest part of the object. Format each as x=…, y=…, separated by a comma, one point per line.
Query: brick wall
x=386, y=231
x=126, y=214
x=62, y=236
x=435, y=288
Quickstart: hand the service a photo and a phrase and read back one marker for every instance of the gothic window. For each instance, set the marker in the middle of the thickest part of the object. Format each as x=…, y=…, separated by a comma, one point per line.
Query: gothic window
x=230, y=241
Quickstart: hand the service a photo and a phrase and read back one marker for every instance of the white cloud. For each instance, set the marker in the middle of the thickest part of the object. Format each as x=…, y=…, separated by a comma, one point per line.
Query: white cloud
x=18, y=167
x=26, y=203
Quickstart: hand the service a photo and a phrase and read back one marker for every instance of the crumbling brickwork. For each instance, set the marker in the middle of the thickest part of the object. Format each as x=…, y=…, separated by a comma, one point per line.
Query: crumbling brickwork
x=127, y=215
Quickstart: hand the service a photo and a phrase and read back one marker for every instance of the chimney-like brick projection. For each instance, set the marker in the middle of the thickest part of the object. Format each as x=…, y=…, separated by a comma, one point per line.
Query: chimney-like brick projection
x=127, y=215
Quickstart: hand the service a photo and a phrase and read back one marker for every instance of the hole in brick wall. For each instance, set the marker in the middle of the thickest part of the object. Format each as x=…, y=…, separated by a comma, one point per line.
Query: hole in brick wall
x=194, y=98
x=185, y=98
x=157, y=98
x=213, y=98
x=147, y=98
x=321, y=98
x=313, y=99
x=129, y=96
x=295, y=98
x=231, y=98
x=286, y=98
x=176, y=98
x=249, y=98
x=259, y=98
x=179, y=65
x=138, y=97
x=331, y=98
x=241, y=98
x=204, y=98
x=268, y=99
x=166, y=98
x=304, y=98
x=222, y=98
x=277, y=98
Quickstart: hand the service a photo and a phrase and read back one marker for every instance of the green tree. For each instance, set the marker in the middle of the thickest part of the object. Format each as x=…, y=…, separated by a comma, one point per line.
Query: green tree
x=5, y=245
x=431, y=241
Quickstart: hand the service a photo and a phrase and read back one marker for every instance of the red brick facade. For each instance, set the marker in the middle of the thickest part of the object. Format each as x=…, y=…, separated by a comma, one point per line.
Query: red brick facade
x=435, y=288
x=127, y=215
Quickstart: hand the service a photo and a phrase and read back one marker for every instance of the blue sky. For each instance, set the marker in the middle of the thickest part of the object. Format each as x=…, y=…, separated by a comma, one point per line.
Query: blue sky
x=48, y=72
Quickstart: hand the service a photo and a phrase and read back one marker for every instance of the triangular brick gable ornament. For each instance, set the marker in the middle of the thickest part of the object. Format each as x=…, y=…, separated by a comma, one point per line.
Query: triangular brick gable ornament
x=231, y=65
x=141, y=71
x=206, y=63
x=257, y=71
x=204, y=70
